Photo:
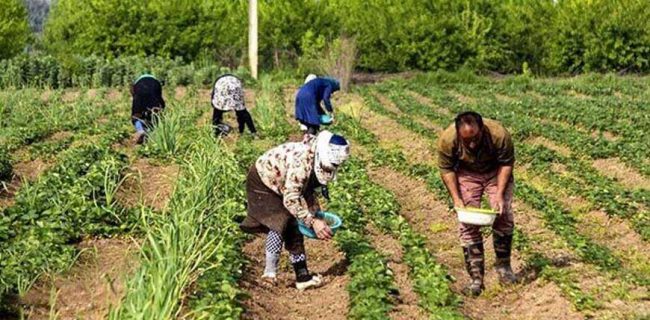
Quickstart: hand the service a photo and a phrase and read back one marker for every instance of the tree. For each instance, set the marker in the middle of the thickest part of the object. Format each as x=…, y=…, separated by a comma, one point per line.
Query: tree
x=14, y=29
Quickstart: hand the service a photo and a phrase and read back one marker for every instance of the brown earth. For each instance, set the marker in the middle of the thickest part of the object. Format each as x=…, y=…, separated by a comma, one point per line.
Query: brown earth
x=387, y=103
x=8, y=190
x=389, y=132
x=464, y=99
x=30, y=170
x=91, y=287
x=504, y=98
x=283, y=300
x=70, y=95
x=147, y=184
x=249, y=98
x=114, y=95
x=406, y=306
x=628, y=177
x=550, y=144
x=429, y=103
x=180, y=92
x=578, y=95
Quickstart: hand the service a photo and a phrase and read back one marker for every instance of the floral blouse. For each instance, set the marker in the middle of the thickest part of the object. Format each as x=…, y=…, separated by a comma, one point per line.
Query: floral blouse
x=228, y=94
x=286, y=169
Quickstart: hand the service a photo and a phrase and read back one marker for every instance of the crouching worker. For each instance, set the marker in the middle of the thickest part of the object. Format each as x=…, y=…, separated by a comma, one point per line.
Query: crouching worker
x=147, y=101
x=228, y=95
x=308, y=109
x=281, y=190
x=476, y=157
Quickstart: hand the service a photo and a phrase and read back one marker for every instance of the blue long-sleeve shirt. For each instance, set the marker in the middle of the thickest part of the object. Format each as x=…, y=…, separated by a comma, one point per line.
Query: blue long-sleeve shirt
x=309, y=97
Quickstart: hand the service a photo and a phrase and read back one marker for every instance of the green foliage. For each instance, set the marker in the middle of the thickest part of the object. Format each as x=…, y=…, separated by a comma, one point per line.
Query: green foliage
x=14, y=28
x=94, y=71
x=214, y=29
x=600, y=35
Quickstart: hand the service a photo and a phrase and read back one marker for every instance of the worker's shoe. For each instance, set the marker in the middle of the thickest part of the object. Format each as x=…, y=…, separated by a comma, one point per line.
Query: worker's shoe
x=271, y=267
x=475, y=265
x=315, y=281
x=305, y=280
x=503, y=249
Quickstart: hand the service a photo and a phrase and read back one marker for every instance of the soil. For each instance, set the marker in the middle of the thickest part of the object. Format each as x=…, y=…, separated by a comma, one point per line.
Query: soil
x=609, y=136
x=249, y=98
x=91, y=287
x=550, y=144
x=367, y=78
x=283, y=300
x=389, y=133
x=180, y=92
x=504, y=98
x=628, y=177
x=148, y=184
x=91, y=94
x=70, y=96
x=429, y=103
x=406, y=306
x=387, y=103
x=30, y=170
x=578, y=95
x=114, y=95
x=8, y=191
x=462, y=98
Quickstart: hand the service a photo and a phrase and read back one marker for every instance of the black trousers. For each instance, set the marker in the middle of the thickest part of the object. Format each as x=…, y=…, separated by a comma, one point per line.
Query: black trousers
x=311, y=129
x=244, y=119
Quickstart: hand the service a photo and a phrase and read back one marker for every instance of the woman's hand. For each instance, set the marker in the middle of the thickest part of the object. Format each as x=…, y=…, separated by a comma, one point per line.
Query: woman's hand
x=322, y=230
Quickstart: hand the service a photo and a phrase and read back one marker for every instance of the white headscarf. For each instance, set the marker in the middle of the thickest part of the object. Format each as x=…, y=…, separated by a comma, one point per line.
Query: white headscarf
x=330, y=154
x=310, y=77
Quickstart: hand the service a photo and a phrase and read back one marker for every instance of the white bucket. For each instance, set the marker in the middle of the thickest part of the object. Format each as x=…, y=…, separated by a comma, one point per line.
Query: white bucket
x=475, y=216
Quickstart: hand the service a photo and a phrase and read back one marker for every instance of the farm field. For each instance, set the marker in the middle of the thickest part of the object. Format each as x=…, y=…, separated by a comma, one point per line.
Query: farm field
x=93, y=227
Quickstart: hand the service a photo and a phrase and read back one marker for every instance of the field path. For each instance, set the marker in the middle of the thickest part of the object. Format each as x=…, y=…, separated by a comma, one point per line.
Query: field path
x=283, y=300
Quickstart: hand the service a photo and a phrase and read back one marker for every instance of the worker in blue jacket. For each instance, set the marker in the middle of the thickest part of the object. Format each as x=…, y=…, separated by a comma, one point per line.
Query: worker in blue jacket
x=308, y=102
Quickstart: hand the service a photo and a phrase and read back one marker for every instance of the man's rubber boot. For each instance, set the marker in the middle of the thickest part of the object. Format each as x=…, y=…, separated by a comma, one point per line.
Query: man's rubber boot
x=305, y=280
x=475, y=265
x=503, y=249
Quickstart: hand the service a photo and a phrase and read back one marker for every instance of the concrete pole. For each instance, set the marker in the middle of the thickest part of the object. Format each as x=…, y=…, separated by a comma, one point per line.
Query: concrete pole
x=252, y=36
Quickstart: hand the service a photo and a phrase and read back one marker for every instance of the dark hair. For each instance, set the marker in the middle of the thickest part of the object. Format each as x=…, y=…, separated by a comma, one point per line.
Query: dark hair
x=469, y=118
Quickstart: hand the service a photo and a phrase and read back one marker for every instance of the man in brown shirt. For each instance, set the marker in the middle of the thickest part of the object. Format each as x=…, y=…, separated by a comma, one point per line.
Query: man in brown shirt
x=476, y=156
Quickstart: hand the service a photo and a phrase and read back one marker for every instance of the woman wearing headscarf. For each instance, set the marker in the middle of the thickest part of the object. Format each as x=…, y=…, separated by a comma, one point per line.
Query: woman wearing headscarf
x=281, y=188
x=308, y=102
x=147, y=101
x=228, y=95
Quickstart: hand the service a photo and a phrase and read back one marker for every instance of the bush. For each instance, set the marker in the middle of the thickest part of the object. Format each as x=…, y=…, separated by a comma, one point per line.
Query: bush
x=14, y=28
x=215, y=29
x=600, y=35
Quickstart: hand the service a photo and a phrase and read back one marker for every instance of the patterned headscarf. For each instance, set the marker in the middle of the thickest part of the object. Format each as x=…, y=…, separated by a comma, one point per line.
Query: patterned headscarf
x=331, y=151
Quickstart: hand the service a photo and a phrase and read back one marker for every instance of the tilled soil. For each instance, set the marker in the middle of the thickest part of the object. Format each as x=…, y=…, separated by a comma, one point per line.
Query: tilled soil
x=283, y=300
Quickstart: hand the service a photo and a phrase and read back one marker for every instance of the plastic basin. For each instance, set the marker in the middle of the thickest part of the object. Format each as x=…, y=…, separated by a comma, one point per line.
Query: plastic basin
x=333, y=221
x=476, y=216
x=325, y=119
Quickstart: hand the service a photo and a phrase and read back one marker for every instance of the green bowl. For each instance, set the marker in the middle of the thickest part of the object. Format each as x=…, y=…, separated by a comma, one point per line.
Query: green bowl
x=333, y=221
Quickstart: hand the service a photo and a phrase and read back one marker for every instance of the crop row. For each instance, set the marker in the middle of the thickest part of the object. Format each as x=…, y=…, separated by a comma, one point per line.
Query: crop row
x=601, y=191
x=72, y=199
x=521, y=116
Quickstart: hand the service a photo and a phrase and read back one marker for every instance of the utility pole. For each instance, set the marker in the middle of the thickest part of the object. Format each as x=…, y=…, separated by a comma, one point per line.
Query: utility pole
x=252, y=36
